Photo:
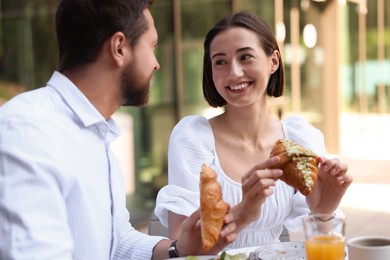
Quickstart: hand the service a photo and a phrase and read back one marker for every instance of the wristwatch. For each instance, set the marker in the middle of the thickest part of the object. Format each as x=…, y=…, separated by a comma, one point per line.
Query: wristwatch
x=172, y=252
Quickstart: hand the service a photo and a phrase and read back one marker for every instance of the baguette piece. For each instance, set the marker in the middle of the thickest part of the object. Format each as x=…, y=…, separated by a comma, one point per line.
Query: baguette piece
x=299, y=165
x=212, y=207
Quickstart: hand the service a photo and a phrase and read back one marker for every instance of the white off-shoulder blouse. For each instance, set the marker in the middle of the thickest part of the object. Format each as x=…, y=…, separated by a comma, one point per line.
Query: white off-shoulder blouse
x=192, y=144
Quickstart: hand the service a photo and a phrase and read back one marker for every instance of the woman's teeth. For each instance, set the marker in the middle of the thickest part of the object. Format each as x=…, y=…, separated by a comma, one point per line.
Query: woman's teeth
x=239, y=86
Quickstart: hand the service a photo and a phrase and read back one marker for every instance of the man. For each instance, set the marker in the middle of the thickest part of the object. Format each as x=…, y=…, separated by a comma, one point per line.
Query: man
x=61, y=190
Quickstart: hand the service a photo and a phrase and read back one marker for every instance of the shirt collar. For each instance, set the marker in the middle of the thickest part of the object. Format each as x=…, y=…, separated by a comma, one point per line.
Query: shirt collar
x=81, y=106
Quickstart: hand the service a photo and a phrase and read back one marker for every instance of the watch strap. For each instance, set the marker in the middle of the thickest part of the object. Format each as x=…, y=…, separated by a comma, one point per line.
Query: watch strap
x=172, y=252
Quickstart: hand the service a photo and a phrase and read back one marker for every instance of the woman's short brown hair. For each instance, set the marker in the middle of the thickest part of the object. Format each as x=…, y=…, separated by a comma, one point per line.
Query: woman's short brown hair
x=268, y=42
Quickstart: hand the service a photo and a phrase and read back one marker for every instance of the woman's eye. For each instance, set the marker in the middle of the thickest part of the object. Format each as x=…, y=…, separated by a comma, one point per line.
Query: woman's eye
x=220, y=62
x=246, y=57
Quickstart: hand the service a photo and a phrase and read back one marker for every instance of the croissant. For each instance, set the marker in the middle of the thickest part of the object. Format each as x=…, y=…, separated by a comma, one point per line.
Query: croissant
x=299, y=165
x=212, y=207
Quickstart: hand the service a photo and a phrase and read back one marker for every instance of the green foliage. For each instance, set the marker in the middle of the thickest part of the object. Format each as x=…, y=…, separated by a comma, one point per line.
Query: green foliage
x=8, y=90
x=372, y=42
x=28, y=52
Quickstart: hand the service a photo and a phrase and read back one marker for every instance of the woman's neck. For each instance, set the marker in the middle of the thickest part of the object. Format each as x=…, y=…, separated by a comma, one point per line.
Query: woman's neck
x=250, y=124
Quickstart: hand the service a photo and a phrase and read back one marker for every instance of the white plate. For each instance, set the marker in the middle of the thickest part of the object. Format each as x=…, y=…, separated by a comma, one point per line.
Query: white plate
x=287, y=250
x=199, y=257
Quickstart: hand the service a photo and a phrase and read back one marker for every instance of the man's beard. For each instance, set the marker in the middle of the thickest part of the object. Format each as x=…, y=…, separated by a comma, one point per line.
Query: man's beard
x=134, y=91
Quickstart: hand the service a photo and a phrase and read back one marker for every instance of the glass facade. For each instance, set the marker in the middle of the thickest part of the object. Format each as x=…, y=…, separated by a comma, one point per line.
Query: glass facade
x=366, y=59
x=332, y=49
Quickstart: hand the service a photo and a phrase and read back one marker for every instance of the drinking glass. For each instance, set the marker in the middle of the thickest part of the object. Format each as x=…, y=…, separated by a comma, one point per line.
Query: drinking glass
x=324, y=237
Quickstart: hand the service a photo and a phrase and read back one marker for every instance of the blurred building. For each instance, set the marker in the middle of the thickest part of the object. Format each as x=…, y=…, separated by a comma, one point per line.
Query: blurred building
x=336, y=55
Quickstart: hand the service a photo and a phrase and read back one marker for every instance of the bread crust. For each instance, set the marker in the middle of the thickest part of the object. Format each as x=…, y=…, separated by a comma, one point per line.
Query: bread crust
x=299, y=165
x=212, y=207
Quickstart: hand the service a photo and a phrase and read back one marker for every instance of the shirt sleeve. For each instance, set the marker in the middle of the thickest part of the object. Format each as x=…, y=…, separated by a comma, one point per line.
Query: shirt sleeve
x=135, y=245
x=33, y=223
x=300, y=209
x=191, y=144
x=300, y=131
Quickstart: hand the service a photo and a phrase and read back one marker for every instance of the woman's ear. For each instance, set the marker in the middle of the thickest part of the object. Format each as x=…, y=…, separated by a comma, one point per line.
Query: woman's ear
x=275, y=58
x=120, y=49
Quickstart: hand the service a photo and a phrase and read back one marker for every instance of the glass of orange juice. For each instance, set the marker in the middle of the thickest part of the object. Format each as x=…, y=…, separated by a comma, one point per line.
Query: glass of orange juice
x=324, y=237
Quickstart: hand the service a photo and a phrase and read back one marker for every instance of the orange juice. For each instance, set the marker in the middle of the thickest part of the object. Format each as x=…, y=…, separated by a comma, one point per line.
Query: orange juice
x=325, y=247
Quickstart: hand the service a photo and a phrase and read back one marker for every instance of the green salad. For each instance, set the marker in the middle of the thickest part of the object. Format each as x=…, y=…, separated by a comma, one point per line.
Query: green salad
x=226, y=256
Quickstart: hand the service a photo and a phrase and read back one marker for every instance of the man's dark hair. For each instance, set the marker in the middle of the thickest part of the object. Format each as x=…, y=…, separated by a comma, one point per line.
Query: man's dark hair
x=83, y=26
x=268, y=43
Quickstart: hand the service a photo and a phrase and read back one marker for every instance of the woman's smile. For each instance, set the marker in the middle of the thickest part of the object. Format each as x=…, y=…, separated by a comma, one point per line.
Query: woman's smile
x=239, y=87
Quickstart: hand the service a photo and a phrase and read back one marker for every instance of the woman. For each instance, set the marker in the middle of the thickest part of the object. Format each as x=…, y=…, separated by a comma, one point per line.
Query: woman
x=242, y=69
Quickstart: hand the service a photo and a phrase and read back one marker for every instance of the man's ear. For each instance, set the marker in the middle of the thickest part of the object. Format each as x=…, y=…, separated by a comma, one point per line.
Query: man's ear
x=119, y=48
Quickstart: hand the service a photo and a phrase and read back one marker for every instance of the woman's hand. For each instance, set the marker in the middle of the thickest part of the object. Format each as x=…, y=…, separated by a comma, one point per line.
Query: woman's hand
x=189, y=241
x=256, y=187
x=330, y=187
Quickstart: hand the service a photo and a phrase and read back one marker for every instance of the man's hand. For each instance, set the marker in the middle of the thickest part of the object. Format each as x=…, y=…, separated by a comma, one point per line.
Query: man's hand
x=189, y=241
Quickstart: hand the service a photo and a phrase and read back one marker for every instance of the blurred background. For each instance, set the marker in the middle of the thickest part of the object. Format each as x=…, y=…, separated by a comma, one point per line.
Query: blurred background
x=337, y=61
